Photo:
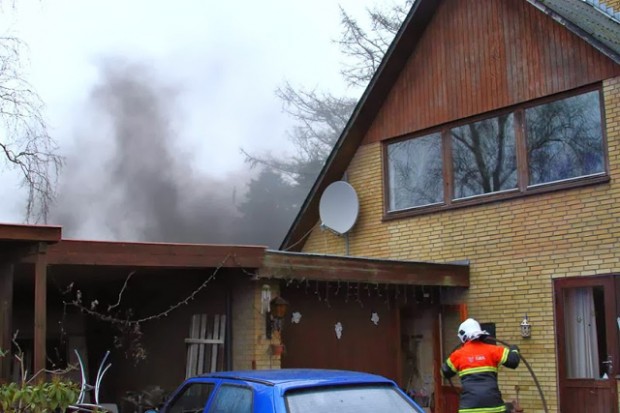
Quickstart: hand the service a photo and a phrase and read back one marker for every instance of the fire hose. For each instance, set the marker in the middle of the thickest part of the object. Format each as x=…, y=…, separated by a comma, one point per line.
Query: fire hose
x=540, y=392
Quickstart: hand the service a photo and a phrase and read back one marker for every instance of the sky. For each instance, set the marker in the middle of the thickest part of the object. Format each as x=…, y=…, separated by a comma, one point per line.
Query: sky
x=214, y=65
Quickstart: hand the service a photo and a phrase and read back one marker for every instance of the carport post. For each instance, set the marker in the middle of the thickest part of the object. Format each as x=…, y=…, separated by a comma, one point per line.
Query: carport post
x=6, y=317
x=40, y=309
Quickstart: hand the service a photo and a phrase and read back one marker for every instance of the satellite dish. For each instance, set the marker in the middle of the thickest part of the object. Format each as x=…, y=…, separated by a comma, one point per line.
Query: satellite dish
x=339, y=207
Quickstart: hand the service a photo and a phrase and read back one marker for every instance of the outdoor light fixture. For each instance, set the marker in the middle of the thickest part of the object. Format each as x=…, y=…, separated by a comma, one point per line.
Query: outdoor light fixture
x=526, y=328
x=278, y=307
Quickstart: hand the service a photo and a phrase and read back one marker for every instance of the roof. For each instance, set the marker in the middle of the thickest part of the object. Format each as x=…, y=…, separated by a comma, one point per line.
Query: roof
x=589, y=19
x=291, y=378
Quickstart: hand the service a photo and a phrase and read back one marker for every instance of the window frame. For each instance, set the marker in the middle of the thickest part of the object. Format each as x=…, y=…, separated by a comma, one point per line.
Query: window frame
x=523, y=188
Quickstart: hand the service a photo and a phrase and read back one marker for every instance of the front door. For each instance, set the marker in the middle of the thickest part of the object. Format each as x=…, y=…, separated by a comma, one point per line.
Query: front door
x=587, y=341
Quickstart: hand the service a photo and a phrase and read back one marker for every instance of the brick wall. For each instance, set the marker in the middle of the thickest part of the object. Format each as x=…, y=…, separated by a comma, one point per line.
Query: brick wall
x=515, y=248
x=251, y=348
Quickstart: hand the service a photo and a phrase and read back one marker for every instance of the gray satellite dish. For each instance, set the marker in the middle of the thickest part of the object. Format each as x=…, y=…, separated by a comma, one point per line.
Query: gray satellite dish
x=339, y=207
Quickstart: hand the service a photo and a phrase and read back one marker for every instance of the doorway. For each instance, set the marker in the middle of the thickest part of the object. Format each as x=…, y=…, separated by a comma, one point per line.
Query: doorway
x=587, y=328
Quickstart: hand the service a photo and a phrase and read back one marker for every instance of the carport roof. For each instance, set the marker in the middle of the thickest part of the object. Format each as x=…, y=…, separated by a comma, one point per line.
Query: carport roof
x=30, y=233
x=135, y=254
x=268, y=263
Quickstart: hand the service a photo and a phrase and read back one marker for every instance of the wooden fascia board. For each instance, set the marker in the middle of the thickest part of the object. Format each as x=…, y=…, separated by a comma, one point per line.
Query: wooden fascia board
x=348, y=269
x=368, y=106
x=30, y=233
x=154, y=255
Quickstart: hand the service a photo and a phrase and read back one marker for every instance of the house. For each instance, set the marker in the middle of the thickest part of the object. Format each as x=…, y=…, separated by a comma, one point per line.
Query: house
x=488, y=137
x=167, y=311
x=484, y=156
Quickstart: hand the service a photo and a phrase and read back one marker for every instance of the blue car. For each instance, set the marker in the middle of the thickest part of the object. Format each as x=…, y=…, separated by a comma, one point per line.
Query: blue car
x=289, y=391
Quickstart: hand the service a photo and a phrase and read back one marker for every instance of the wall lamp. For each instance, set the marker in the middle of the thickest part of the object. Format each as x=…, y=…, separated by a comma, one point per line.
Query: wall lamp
x=526, y=328
x=278, y=307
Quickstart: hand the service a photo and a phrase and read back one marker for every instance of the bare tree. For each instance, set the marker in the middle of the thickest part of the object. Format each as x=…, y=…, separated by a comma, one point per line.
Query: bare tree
x=321, y=116
x=366, y=47
x=25, y=141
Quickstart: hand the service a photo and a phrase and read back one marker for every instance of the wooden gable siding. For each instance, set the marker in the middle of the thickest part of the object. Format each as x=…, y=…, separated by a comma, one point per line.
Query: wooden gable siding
x=613, y=3
x=479, y=55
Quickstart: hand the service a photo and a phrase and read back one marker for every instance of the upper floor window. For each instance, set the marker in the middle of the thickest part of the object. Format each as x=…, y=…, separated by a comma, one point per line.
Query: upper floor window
x=562, y=140
x=484, y=158
x=416, y=172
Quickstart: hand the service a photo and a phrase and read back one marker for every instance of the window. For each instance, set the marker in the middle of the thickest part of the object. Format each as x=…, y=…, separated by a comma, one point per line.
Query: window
x=562, y=141
x=585, y=334
x=232, y=399
x=415, y=172
x=349, y=400
x=192, y=399
x=484, y=158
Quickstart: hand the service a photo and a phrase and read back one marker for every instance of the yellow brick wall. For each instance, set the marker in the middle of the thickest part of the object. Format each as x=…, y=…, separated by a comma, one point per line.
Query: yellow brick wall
x=251, y=348
x=515, y=249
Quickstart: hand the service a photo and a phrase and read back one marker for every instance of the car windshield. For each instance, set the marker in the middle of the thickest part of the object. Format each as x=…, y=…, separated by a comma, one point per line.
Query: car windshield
x=358, y=399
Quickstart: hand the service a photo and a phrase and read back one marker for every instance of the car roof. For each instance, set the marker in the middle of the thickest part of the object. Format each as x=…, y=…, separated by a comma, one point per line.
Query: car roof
x=295, y=378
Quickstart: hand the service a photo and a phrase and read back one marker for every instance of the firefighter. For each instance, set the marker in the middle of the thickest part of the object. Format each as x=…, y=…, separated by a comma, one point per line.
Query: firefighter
x=477, y=363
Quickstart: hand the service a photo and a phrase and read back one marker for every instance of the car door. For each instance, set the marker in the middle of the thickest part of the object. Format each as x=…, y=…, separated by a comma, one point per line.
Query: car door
x=587, y=341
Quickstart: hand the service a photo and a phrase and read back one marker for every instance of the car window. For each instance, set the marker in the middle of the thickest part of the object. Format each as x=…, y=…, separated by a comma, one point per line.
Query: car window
x=232, y=399
x=191, y=399
x=359, y=399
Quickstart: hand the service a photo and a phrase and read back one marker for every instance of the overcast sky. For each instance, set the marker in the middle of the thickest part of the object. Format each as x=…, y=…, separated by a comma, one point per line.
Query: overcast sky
x=220, y=60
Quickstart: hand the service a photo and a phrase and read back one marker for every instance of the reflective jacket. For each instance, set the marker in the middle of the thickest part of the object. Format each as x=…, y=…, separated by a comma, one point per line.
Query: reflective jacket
x=477, y=364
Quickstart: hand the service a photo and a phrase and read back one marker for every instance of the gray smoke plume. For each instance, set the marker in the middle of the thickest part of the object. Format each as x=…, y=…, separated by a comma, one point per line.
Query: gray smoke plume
x=129, y=177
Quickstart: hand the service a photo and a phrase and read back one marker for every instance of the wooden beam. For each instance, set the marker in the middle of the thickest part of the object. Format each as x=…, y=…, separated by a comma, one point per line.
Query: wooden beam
x=40, y=311
x=13, y=232
x=6, y=317
x=154, y=255
x=284, y=265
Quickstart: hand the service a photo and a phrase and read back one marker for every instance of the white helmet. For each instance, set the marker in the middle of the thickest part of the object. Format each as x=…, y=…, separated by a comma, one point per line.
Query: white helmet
x=470, y=330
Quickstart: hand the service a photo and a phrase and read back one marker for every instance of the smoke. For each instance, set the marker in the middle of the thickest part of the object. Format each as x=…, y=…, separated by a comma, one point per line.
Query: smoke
x=129, y=176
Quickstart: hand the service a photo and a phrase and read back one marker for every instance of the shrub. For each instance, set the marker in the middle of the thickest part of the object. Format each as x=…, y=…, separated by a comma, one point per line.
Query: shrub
x=45, y=397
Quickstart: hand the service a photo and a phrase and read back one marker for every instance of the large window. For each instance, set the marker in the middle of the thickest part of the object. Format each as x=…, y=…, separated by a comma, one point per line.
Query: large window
x=458, y=164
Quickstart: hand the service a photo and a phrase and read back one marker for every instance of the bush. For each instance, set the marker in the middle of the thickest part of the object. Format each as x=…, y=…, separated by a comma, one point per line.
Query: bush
x=46, y=397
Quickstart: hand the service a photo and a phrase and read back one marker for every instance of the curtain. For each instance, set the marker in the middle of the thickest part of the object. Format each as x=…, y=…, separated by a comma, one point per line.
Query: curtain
x=581, y=335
